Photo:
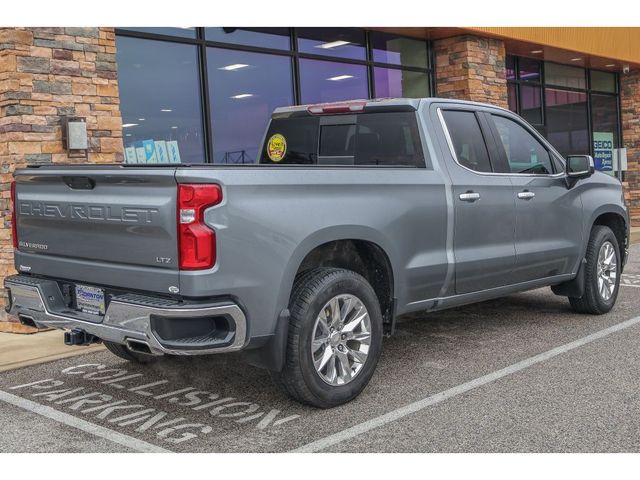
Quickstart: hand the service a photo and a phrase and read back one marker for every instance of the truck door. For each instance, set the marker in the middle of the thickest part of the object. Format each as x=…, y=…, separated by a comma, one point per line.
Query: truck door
x=548, y=236
x=484, y=207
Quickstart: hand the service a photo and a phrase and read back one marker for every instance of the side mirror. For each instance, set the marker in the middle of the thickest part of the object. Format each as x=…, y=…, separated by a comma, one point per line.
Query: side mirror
x=579, y=166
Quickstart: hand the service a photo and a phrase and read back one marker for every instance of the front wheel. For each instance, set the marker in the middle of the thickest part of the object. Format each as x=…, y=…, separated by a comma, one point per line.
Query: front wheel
x=602, y=273
x=335, y=338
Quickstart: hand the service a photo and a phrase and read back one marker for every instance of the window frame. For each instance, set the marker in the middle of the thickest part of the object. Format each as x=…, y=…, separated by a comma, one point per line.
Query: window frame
x=485, y=132
x=293, y=53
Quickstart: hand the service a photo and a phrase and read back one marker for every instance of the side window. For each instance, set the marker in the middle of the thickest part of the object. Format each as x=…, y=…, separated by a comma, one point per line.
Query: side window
x=524, y=153
x=468, y=142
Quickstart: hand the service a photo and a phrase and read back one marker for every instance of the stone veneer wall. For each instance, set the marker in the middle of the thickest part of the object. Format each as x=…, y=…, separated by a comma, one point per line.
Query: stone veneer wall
x=471, y=68
x=630, y=109
x=46, y=74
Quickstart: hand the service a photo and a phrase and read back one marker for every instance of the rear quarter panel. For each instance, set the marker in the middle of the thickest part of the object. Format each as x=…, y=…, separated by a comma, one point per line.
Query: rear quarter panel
x=272, y=217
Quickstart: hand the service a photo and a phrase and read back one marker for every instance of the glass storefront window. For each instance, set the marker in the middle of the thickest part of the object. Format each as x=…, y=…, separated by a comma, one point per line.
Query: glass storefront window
x=529, y=70
x=604, y=118
x=391, y=82
x=604, y=114
x=512, y=97
x=245, y=88
x=275, y=37
x=322, y=81
x=564, y=76
x=567, y=121
x=570, y=103
x=334, y=42
x=160, y=101
x=396, y=50
x=189, y=32
x=167, y=96
x=531, y=103
x=603, y=81
x=511, y=67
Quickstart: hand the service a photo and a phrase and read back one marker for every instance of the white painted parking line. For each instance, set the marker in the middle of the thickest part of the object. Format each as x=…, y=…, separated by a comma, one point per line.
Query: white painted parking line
x=80, y=424
x=419, y=405
x=628, y=285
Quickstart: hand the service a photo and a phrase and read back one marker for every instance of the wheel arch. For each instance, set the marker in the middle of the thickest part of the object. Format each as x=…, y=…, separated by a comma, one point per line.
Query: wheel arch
x=360, y=249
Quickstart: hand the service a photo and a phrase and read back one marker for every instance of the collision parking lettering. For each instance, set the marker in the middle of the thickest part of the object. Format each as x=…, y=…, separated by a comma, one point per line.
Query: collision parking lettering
x=104, y=406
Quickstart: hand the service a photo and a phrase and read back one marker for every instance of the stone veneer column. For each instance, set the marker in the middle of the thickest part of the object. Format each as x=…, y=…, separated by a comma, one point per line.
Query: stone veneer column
x=471, y=68
x=45, y=74
x=630, y=109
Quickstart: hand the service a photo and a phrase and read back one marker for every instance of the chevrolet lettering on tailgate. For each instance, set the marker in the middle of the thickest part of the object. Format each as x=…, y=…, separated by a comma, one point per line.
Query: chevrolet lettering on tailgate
x=108, y=213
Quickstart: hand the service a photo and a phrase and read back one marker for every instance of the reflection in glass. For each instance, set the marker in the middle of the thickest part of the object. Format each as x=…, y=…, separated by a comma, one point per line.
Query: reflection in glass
x=160, y=101
x=566, y=116
x=531, y=103
x=396, y=50
x=529, y=69
x=604, y=115
x=603, y=81
x=244, y=88
x=322, y=81
x=512, y=97
x=335, y=42
x=274, y=37
x=189, y=32
x=564, y=75
x=510, y=65
x=391, y=82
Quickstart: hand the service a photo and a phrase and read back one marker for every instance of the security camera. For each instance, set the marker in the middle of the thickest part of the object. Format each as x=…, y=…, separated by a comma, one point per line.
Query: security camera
x=625, y=69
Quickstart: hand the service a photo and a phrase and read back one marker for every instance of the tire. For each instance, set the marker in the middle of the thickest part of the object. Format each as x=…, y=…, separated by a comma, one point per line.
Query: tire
x=123, y=352
x=593, y=301
x=311, y=295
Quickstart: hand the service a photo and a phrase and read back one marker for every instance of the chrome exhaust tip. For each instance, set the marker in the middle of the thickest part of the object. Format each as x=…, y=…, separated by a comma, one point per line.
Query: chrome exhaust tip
x=139, y=346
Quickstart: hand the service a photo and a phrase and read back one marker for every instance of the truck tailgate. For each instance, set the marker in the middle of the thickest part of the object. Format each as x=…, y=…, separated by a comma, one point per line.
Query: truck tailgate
x=106, y=225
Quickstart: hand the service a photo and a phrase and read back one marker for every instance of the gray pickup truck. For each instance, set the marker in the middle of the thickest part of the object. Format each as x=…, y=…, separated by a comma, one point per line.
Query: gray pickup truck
x=354, y=213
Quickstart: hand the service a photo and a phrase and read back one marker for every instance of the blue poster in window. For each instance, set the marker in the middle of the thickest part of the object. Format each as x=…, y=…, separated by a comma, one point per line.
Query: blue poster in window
x=603, y=152
x=149, y=151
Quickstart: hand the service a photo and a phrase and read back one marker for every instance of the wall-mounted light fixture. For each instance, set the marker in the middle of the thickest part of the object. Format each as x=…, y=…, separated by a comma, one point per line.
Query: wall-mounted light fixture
x=74, y=137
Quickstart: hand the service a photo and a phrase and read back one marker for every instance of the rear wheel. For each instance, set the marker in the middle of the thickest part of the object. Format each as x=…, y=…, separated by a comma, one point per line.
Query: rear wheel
x=602, y=273
x=335, y=338
x=123, y=352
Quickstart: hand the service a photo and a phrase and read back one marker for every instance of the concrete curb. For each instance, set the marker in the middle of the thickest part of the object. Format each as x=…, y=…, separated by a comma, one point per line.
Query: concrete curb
x=17, y=351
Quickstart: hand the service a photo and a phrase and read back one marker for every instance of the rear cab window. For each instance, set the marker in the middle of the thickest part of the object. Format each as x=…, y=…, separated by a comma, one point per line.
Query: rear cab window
x=389, y=139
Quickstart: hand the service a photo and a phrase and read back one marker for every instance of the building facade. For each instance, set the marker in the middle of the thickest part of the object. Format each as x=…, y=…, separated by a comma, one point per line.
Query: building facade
x=192, y=95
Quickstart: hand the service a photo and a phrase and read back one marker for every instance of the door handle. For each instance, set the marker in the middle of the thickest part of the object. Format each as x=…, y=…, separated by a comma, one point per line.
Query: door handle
x=526, y=195
x=469, y=196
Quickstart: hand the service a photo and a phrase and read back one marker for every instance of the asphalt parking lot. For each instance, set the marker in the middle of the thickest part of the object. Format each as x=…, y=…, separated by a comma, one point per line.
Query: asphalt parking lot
x=518, y=374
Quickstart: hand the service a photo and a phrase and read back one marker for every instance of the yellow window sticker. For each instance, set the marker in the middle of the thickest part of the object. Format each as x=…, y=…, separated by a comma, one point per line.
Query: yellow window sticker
x=276, y=147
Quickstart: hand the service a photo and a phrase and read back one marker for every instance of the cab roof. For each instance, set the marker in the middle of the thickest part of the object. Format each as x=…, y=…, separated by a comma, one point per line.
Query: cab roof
x=367, y=105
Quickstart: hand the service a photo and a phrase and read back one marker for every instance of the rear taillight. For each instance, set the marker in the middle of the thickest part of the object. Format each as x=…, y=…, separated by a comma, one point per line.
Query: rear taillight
x=196, y=241
x=14, y=215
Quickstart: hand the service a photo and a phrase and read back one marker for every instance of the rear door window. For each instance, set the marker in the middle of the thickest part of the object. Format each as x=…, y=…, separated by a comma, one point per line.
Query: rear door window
x=367, y=139
x=467, y=139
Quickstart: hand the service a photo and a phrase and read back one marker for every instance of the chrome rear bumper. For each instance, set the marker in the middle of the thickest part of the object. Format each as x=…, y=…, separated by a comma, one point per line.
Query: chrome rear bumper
x=128, y=318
